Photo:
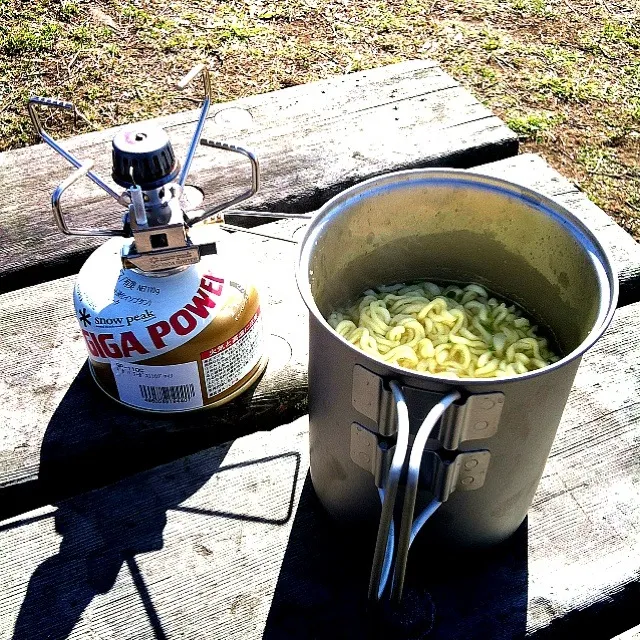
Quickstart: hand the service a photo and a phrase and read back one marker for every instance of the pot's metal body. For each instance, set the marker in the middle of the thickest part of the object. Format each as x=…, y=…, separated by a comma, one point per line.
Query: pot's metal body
x=446, y=225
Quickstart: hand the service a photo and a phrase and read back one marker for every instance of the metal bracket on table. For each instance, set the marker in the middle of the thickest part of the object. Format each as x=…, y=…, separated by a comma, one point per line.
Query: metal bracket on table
x=445, y=468
x=474, y=418
x=372, y=399
x=371, y=452
x=267, y=215
x=465, y=471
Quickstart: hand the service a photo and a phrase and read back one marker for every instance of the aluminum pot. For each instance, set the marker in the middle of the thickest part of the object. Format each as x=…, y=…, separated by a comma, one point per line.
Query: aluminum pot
x=446, y=226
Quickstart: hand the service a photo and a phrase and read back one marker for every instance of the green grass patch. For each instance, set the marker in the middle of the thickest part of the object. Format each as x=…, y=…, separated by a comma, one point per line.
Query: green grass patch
x=136, y=14
x=532, y=125
x=237, y=30
x=68, y=10
x=595, y=158
x=569, y=89
x=619, y=32
x=20, y=40
x=381, y=19
x=487, y=73
x=532, y=7
x=492, y=42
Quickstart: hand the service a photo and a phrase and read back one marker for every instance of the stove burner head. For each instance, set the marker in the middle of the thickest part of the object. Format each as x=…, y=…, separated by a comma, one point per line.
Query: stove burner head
x=143, y=156
x=156, y=223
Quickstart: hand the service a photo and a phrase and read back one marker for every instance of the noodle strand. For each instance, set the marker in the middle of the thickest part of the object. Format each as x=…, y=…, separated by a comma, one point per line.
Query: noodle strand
x=450, y=331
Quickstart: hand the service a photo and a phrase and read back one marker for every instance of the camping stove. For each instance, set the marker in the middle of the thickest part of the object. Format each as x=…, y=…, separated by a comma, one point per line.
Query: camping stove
x=169, y=326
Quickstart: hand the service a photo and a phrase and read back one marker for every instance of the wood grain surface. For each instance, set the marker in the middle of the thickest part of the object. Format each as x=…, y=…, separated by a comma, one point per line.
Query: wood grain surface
x=630, y=634
x=312, y=140
x=232, y=543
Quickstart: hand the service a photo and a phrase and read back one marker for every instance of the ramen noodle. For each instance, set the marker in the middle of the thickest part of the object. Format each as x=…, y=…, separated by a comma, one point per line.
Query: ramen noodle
x=446, y=331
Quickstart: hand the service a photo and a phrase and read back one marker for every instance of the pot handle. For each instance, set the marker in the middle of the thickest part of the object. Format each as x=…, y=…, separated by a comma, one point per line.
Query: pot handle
x=409, y=528
x=264, y=214
x=383, y=553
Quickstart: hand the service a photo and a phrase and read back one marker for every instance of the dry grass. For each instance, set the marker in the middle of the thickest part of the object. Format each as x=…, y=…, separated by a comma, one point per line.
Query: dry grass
x=564, y=74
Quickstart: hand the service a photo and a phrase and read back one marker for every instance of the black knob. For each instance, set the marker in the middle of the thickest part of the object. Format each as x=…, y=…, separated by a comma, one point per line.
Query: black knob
x=146, y=152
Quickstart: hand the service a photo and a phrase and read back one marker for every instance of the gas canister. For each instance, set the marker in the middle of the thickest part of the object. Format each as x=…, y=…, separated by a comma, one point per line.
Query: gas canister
x=169, y=324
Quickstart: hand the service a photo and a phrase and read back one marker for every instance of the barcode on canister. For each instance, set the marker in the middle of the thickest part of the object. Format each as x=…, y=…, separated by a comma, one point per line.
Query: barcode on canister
x=167, y=395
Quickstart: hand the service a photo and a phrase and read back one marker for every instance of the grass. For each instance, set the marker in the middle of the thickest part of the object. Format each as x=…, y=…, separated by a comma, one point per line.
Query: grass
x=534, y=126
x=564, y=74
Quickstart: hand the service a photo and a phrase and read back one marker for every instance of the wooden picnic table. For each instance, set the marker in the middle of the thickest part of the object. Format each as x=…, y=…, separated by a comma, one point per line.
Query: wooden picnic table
x=124, y=525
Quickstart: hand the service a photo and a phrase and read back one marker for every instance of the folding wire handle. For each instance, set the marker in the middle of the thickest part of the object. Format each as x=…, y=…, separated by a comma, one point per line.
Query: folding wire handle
x=383, y=553
x=383, y=561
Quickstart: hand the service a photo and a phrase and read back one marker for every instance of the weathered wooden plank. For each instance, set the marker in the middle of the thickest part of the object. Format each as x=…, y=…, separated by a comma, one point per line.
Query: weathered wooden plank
x=231, y=542
x=313, y=141
x=212, y=501
x=532, y=171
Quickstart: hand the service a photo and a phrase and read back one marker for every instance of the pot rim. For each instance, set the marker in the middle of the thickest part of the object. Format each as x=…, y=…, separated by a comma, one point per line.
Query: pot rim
x=598, y=255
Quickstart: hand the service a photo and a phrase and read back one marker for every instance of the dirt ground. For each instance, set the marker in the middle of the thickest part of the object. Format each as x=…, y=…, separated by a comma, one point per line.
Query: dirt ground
x=564, y=74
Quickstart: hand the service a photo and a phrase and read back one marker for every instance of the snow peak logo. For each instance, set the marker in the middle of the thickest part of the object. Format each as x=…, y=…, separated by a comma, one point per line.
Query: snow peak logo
x=84, y=317
x=145, y=316
x=154, y=337
x=109, y=322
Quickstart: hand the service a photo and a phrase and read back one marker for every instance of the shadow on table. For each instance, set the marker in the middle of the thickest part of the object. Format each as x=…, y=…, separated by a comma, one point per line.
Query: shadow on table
x=105, y=529
x=92, y=441
x=323, y=582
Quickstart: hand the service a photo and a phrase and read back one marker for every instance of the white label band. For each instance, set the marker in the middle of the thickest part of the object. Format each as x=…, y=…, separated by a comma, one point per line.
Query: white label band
x=128, y=316
x=161, y=388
